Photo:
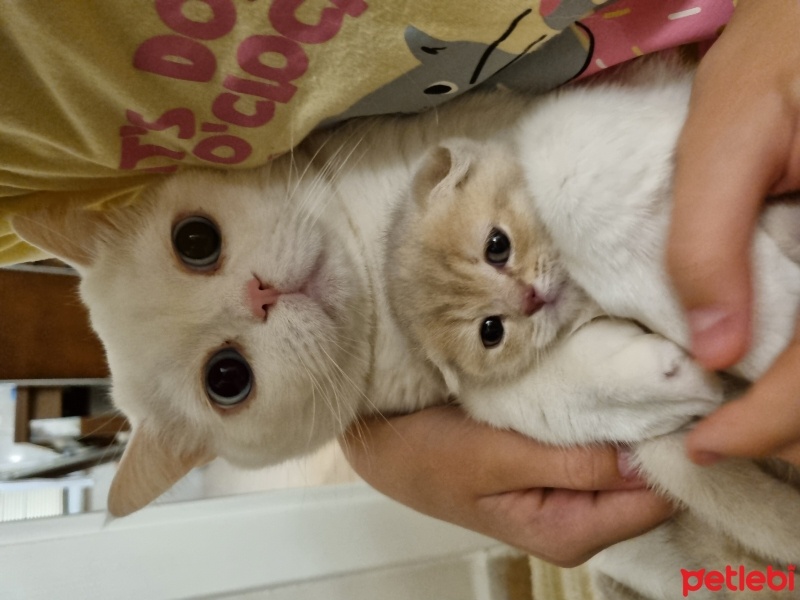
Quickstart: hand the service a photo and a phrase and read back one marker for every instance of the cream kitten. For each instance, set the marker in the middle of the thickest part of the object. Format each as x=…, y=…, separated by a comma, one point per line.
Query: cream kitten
x=481, y=268
x=477, y=283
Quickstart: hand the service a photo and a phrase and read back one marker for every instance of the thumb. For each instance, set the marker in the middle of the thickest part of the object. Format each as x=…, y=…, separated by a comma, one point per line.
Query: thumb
x=764, y=422
x=724, y=169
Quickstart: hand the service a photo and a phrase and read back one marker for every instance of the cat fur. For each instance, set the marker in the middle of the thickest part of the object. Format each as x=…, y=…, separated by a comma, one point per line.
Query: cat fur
x=585, y=188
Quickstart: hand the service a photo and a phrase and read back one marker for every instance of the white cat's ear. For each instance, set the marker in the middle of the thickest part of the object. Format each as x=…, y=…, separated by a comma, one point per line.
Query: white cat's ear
x=445, y=169
x=149, y=467
x=66, y=232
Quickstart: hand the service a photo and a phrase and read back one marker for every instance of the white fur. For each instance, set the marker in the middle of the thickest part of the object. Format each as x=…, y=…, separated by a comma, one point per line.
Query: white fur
x=598, y=163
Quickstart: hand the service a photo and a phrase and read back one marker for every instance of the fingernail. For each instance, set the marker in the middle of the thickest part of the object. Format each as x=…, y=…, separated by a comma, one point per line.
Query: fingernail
x=713, y=332
x=625, y=464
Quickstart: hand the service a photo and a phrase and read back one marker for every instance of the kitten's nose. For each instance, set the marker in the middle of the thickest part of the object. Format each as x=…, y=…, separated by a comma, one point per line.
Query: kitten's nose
x=259, y=298
x=531, y=301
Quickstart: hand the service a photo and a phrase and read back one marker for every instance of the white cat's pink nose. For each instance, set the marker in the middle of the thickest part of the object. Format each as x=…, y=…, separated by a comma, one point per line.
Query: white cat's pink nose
x=531, y=301
x=260, y=297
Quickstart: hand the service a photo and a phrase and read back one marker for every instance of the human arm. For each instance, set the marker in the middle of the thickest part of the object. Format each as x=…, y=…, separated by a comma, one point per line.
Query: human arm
x=741, y=143
x=562, y=505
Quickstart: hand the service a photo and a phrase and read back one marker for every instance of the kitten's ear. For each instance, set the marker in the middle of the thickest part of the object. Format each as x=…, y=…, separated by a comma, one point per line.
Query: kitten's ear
x=451, y=380
x=148, y=468
x=448, y=374
x=69, y=233
x=445, y=168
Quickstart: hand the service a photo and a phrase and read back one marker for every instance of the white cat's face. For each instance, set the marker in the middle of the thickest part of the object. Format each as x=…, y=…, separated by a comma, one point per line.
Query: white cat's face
x=233, y=317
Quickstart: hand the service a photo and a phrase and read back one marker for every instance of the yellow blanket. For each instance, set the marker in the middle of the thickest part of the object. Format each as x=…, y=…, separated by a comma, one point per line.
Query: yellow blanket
x=102, y=96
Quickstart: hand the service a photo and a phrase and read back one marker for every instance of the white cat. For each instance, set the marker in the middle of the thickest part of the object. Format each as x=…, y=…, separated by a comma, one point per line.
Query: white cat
x=484, y=263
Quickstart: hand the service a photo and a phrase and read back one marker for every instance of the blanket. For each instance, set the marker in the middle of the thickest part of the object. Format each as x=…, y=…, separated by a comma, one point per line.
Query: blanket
x=101, y=98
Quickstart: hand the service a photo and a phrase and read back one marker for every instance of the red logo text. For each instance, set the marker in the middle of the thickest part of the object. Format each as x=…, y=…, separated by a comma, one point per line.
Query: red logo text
x=738, y=579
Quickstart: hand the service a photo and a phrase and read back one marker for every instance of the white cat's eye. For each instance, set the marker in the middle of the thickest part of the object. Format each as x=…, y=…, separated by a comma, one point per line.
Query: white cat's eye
x=498, y=248
x=492, y=331
x=228, y=378
x=197, y=242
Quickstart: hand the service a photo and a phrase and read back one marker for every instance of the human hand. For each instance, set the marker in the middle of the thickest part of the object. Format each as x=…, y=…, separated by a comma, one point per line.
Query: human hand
x=562, y=505
x=740, y=143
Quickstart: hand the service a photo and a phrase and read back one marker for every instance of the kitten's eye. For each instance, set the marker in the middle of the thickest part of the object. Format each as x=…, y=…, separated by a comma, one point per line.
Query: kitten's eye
x=492, y=331
x=228, y=378
x=498, y=248
x=197, y=242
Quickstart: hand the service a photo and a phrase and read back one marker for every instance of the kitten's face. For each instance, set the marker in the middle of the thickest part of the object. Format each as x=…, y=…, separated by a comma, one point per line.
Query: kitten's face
x=475, y=277
x=201, y=357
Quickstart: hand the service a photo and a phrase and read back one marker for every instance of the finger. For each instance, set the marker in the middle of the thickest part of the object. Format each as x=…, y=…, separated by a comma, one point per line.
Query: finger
x=513, y=461
x=568, y=527
x=442, y=444
x=763, y=422
x=617, y=516
x=726, y=163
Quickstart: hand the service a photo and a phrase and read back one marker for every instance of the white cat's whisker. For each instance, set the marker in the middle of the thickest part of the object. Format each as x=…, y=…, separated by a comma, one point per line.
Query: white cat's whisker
x=345, y=377
x=325, y=180
x=315, y=386
x=309, y=164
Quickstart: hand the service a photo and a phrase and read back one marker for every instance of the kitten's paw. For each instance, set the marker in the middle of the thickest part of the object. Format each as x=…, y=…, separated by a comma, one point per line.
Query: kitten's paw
x=677, y=367
x=663, y=370
x=636, y=384
x=683, y=375
x=673, y=367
